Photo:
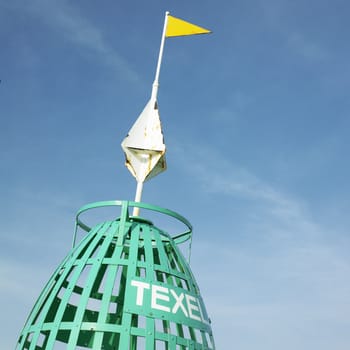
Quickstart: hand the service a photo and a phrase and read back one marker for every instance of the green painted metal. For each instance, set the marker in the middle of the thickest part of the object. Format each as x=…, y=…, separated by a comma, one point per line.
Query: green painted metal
x=125, y=285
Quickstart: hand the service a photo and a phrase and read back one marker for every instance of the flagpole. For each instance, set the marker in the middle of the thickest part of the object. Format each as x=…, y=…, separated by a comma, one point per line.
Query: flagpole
x=154, y=94
x=138, y=195
x=160, y=57
x=139, y=188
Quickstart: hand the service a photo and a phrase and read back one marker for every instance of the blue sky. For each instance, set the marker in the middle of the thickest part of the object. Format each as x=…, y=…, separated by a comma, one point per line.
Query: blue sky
x=256, y=123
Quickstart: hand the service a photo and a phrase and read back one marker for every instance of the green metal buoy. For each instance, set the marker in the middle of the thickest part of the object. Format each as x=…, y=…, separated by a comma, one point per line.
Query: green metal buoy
x=126, y=284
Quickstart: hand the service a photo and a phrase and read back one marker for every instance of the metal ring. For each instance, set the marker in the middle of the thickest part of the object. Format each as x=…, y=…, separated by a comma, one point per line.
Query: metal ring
x=178, y=238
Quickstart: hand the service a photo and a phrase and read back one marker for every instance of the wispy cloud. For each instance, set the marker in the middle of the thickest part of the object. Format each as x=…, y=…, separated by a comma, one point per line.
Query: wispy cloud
x=273, y=212
x=230, y=179
x=62, y=18
x=268, y=292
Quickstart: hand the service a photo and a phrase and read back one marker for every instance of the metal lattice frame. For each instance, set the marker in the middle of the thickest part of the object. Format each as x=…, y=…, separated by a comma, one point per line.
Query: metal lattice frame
x=126, y=285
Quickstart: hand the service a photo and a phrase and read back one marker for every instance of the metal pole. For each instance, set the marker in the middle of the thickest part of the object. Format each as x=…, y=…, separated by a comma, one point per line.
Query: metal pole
x=138, y=195
x=160, y=57
x=154, y=94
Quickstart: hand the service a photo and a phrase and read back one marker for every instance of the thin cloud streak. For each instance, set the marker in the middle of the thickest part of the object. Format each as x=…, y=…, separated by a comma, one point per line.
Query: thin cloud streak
x=228, y=179
x=267, y=293
x=64, y=20
x=276, y=215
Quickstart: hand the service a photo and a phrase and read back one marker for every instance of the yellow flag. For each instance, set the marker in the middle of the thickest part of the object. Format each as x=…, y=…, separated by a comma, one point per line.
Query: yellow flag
x=179, y=27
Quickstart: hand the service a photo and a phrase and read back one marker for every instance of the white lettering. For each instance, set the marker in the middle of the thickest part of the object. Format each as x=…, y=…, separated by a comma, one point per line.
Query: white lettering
x=157, y=295
x=192, y=307
x=141, y=286
x=160, y=296
x=178, y=304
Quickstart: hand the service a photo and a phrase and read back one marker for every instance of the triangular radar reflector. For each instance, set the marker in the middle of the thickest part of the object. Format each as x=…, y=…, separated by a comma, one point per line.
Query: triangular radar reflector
x=144, y=146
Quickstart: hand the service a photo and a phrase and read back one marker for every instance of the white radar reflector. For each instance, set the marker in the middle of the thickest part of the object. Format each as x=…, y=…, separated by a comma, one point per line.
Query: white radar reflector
x=144, y=146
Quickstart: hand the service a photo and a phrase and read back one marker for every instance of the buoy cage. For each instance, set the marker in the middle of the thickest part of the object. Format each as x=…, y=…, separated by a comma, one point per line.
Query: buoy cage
x=124, y=285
